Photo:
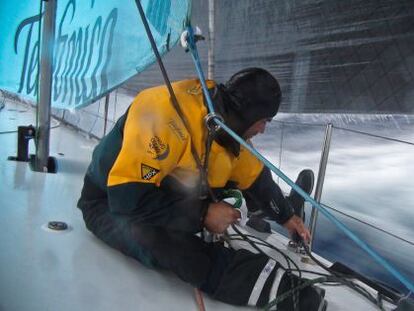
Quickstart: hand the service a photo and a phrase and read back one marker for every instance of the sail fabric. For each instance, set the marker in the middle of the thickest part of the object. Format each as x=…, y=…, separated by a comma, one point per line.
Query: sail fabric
x=98, y=45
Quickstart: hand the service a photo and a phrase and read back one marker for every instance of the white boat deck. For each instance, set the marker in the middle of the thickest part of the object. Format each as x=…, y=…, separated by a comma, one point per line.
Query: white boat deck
x=73, y=270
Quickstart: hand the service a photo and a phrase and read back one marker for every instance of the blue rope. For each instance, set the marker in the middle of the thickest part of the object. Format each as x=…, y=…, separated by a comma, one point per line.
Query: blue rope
x=378, y=258
x=194, y=53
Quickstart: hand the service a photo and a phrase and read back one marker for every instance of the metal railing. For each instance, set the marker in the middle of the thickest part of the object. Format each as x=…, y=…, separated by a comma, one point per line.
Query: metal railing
x=320, y=181
x=329, y=128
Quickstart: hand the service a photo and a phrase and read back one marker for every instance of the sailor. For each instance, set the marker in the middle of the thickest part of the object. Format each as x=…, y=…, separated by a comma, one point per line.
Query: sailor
x=143, y=192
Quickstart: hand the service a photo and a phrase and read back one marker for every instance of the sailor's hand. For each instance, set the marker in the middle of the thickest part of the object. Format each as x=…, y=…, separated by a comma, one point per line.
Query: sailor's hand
x=295, y=224
x=219, y=216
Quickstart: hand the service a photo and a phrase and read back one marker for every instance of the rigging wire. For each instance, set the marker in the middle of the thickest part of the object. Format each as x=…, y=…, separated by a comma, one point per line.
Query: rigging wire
x=374, y=135
x=280, y=149
x=3, y=105
x=301, y=123
x=330, y=207
x=369, y=225
x=8, y=132
x=347, y=130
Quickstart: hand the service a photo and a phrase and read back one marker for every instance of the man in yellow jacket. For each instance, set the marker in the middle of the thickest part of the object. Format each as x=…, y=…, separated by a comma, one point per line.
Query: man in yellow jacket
x=142, y=192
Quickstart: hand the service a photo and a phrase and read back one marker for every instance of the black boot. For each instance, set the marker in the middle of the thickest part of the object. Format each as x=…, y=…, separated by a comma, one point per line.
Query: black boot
x=309, y=298
x=312, y=298
x=305, y=181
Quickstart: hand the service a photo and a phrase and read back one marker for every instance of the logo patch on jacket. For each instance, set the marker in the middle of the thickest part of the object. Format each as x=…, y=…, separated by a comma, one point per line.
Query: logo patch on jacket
x=176, y=129
x=195, y=90
x=147, y=172
x=158, y=149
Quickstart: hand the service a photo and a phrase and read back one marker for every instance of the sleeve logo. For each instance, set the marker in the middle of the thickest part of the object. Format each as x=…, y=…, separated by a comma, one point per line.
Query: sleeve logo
x=176, y=129
x=148, y=172
x=158, y=149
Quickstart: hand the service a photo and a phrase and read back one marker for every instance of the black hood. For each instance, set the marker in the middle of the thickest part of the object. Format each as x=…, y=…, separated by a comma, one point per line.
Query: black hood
x=249, y=96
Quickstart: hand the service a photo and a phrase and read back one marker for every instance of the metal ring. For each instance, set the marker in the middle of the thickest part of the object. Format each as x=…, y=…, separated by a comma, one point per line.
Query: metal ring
x=212, y=126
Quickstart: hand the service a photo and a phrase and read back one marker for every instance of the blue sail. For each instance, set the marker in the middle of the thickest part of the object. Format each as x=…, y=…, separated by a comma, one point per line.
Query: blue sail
x=98, y=45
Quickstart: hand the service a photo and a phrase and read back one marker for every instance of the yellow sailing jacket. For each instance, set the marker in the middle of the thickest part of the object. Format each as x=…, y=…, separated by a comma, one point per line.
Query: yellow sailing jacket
x=145, y=167
x=156, y=143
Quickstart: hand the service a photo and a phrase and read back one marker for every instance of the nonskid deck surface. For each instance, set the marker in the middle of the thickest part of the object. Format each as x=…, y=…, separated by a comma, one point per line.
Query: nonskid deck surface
x=43, y=270
x=73, y=270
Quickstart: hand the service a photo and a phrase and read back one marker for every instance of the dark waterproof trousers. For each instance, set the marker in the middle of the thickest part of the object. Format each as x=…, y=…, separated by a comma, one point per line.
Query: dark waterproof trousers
x=225, y=274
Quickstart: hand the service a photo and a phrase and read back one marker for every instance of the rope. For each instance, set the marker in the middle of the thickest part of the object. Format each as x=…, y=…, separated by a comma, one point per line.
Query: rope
x=345, y=281
x=294, y=290
x=174, y=101
x=199, y=299
x=332, y=279
x=247, y=238
x=194, y=53
x=378, y=258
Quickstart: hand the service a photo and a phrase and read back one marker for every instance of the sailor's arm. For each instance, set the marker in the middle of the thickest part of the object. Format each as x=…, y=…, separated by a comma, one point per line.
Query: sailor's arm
x=150, y=152
x=265, y=195
x=151, y=204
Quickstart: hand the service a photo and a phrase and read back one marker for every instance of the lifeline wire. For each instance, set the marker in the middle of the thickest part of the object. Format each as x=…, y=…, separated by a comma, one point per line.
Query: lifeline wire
x=348, y=130
x=374, y=135
x=378, y=258
x=15, y=131
x=369, y=225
